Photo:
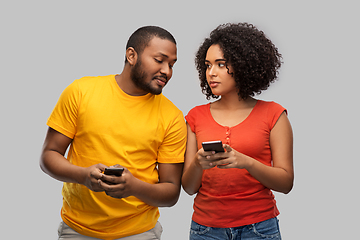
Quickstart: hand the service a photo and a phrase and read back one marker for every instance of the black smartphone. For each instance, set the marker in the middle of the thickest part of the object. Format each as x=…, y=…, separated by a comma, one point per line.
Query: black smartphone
x=114, y=171
x=216, y=146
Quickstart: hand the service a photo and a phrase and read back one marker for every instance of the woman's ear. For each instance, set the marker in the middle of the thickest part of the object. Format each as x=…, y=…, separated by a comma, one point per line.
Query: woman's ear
x=131, y=56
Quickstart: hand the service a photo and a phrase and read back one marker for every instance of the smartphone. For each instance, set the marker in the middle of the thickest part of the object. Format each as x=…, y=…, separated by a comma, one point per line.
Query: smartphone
x=216, y=146
x=114, y=171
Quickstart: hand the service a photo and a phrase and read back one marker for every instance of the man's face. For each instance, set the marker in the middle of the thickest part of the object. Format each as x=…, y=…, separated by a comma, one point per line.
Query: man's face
x=153, y=68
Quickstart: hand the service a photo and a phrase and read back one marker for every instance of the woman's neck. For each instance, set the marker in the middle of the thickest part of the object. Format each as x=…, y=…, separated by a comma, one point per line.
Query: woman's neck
x=234, y=103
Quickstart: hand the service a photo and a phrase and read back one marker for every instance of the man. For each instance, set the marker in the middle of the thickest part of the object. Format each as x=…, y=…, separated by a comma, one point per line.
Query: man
x=119, y=120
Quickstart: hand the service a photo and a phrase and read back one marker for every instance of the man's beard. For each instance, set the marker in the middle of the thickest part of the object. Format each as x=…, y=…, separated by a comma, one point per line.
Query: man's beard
x=138, y=76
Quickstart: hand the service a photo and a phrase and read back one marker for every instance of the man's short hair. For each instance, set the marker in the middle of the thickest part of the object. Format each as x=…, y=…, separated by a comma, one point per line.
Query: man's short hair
x=142, y=36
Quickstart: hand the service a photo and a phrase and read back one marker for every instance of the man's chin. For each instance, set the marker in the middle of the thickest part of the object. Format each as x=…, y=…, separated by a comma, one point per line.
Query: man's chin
x=156, y=91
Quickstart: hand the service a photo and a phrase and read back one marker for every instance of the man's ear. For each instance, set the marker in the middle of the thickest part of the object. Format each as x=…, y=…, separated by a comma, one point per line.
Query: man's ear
x=131, y=56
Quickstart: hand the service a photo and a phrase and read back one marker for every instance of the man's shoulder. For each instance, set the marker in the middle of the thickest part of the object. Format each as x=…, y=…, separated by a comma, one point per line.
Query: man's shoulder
x=93, y=79
x=91, y=83
x=166, y=103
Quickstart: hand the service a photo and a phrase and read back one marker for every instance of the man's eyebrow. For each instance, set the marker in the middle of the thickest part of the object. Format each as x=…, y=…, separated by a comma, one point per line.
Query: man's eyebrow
x=163, y=54
x=166, y=56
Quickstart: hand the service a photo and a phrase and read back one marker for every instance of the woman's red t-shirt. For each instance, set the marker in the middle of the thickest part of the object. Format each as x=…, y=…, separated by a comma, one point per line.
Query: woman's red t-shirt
x=232, y=197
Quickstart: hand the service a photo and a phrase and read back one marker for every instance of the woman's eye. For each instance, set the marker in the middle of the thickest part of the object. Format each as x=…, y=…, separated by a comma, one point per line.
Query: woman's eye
x=221, y=65
x=208, y=66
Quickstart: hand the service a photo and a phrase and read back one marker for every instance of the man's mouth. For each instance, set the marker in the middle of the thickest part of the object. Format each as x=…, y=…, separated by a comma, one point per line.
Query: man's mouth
x=161, y=81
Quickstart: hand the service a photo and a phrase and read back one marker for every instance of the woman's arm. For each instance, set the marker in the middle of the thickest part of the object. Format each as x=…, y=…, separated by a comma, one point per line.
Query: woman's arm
x=192, y=173
x=280, y=176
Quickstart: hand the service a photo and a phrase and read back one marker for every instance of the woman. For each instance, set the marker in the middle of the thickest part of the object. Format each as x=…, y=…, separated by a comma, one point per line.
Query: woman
x=234, y=198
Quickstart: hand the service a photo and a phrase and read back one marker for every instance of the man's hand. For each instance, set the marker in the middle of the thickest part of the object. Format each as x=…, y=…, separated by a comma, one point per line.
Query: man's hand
x=118, y=187
x=165, y=193
x=91, y=176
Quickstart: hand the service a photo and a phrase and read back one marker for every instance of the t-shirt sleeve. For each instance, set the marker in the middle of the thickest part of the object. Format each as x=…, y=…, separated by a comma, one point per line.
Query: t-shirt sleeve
x=64, y=115
x=190, y=119
x=274, y=112
x=172, y=150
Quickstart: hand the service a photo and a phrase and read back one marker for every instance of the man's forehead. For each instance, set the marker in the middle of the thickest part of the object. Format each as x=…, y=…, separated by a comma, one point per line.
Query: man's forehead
x=162, y=47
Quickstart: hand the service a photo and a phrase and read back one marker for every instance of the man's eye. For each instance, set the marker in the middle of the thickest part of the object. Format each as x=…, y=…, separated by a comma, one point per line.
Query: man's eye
x=158, y=61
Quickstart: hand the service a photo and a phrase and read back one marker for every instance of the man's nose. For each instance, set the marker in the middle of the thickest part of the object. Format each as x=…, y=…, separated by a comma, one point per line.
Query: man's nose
x=166, y=70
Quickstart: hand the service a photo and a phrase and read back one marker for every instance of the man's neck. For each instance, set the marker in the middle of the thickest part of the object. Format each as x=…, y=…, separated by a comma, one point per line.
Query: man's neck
x=126, y=84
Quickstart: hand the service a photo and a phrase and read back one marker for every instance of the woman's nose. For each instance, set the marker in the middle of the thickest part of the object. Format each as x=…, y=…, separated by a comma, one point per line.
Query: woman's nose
x=212, y=71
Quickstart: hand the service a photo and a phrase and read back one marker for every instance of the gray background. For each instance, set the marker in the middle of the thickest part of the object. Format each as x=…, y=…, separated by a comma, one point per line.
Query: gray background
x=45, y=45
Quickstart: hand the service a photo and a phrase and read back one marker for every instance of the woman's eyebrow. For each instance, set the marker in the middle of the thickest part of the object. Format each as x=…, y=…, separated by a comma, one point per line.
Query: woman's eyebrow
x=217, y=60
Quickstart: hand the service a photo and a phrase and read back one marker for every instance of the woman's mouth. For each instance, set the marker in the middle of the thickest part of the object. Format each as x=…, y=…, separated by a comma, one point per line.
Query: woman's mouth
x=213, y=84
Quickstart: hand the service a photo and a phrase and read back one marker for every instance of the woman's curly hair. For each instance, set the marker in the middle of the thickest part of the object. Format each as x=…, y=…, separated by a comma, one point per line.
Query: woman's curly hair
x=253, y=57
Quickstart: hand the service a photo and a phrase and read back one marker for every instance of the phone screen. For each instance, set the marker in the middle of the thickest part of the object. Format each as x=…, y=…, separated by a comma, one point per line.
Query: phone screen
x=114, y=171
x=216, y=146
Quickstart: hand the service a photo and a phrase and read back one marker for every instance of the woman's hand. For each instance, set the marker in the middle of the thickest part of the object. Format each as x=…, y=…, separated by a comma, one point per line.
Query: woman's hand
x=206, y=159
x=228, y=159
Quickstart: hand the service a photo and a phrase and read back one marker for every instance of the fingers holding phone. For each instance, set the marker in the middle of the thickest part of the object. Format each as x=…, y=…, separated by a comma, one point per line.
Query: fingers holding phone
x=214, y=153
x=91, y=176
x=209, y=154
x=118, y=182
x=111, y=174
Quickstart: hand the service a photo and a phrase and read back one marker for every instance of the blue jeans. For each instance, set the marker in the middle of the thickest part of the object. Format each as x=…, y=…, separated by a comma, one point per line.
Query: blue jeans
x=268, y=229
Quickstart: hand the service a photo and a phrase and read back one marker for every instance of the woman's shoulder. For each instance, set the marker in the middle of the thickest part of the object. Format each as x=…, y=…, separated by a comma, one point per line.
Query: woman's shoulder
x=271, y=111
x=269, y=104
x=199, y=109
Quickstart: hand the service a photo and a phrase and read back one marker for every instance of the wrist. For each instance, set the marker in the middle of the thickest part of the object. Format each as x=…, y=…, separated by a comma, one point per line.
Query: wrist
x=137, y=187
x=249, y=162
x=80, y=176
x=196, y=161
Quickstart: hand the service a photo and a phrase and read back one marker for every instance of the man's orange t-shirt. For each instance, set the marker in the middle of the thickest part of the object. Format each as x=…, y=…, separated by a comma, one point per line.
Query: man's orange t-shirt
x=232, y=197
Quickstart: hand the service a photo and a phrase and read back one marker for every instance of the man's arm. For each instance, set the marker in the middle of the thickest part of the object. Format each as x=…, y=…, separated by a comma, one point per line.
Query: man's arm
x=54, y=163
x=165, y=193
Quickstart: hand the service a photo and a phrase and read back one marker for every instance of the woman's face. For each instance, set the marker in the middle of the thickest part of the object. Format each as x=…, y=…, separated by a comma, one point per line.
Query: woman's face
x=217, y=72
